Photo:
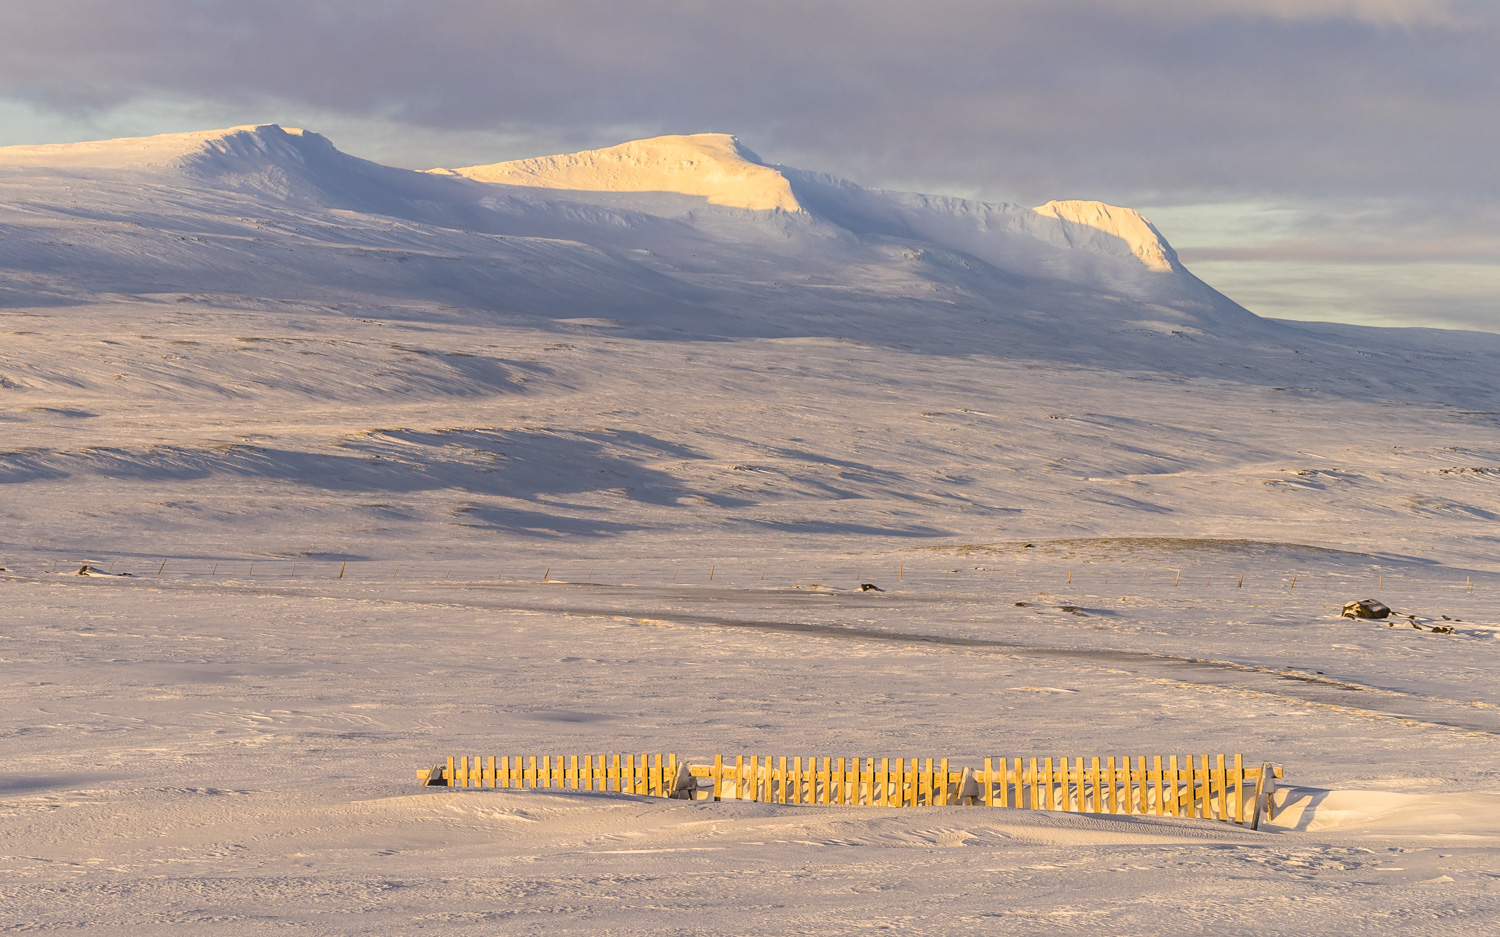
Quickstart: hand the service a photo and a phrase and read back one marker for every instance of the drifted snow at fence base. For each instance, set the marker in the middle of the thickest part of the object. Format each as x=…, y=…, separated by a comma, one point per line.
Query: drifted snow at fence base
x=1219, y=787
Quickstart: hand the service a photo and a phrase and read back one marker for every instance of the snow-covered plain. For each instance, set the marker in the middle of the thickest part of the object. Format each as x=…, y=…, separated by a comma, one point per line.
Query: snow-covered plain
x=601, y=445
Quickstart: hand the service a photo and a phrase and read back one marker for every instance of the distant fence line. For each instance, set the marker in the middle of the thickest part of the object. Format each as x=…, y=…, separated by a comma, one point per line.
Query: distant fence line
x=1216, y=787
x=742, y=575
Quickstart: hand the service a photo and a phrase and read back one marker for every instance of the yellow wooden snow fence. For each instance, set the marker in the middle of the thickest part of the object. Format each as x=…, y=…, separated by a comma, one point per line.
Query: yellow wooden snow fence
x=1219, y=787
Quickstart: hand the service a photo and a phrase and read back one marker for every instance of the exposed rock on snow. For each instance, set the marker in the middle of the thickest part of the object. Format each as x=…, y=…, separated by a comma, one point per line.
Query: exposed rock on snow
x=1366, y=608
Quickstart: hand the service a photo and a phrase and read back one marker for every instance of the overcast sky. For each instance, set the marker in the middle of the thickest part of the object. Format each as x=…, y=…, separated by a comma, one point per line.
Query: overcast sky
x=1313, y=158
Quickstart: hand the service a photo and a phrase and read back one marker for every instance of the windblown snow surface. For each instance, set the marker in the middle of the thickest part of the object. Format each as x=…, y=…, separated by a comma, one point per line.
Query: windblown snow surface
x=590, y=453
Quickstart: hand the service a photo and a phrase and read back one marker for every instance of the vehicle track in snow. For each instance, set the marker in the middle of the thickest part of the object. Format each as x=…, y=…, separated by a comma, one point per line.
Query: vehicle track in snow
x=1225, y=675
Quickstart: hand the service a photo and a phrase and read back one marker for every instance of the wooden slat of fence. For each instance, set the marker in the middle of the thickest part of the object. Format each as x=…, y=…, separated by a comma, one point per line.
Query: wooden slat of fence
x=1190, y=795
x=1200, y=788
x=1202, y=792
x=1221, y=781
x=1236, y=788
x=1211, y=791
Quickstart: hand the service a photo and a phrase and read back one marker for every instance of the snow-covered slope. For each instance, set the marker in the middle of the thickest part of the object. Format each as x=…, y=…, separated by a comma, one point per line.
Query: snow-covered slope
x=715, y=166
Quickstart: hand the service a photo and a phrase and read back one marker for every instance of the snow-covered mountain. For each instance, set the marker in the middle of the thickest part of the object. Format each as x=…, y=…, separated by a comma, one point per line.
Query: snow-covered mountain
x=672, y=339
x=692, y=234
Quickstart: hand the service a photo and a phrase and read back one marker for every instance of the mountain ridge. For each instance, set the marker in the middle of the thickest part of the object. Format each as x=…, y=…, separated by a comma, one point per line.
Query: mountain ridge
x=654, y=234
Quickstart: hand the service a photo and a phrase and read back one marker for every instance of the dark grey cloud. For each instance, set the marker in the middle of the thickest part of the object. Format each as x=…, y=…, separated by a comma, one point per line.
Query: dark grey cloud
x=1127, y=100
